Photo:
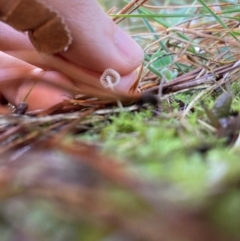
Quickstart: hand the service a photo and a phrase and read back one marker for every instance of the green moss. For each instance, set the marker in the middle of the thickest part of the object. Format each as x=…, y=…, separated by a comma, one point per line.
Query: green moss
x=182, y=153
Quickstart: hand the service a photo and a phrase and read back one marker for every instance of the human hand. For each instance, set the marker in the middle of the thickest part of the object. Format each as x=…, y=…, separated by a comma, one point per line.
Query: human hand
x=97, y=44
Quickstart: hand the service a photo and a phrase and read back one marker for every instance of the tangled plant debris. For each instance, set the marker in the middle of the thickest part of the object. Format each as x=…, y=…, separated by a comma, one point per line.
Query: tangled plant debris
x=164, y=166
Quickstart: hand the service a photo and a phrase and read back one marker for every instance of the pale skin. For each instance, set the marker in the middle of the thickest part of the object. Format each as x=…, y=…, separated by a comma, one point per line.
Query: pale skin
x=98, y=44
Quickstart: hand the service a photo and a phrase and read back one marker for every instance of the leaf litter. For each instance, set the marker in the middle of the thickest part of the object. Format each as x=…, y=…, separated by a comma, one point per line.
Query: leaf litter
x=162, y=167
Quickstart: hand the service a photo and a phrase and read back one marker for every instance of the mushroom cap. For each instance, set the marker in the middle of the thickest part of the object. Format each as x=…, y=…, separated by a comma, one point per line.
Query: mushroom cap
x=110, y=78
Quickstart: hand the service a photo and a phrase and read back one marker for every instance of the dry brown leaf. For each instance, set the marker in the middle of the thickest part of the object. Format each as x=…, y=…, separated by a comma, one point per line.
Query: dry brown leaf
x=46, y=28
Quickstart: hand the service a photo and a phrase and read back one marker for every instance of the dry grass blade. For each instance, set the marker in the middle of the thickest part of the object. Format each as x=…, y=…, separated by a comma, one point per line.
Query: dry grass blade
x=184, y=6
x=208, y=52
x=129, y=8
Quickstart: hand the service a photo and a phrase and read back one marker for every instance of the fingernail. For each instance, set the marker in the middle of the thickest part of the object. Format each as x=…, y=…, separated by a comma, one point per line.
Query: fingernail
x=128, y=48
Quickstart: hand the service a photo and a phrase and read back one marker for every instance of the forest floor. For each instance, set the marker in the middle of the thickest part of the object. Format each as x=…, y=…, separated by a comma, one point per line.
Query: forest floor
x=163, y=168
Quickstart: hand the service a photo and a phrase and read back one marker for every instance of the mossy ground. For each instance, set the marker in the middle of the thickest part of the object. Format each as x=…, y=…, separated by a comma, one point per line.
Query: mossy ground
x=133, y=173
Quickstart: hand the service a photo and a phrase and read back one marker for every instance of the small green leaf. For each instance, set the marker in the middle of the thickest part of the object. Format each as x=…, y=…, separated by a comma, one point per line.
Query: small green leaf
x=169, y=74
x=160, y=60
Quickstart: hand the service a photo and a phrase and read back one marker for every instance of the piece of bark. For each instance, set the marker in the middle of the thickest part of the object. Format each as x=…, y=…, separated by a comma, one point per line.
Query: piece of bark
x=46, y=28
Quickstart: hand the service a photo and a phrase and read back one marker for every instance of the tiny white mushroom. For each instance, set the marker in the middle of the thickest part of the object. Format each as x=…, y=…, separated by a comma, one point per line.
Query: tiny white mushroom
x=110, y=78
